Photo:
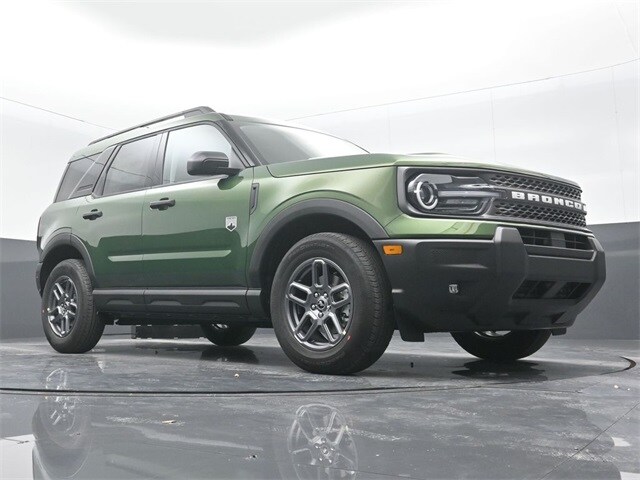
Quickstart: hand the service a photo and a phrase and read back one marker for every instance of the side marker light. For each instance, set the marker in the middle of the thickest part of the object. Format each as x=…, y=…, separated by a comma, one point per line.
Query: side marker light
x=392, y=249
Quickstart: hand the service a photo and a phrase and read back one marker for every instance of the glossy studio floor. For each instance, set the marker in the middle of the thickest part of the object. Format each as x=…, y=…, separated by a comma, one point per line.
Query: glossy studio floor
x=188, y=409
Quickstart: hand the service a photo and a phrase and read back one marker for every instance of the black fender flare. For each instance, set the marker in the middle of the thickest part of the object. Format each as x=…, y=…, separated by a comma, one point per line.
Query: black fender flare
x=61, y=239
x=338, y=208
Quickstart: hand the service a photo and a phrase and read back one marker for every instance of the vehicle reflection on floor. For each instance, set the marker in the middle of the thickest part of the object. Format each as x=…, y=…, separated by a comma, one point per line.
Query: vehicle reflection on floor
x=423, y=435
x=320, y=436
x=71, y=442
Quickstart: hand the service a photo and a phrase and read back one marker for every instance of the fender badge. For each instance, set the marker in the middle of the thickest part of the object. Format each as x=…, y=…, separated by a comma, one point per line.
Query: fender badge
x=231, y=223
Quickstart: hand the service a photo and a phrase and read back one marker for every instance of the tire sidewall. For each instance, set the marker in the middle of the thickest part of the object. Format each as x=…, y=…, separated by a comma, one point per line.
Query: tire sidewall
x=362, y=307
x=84, y=301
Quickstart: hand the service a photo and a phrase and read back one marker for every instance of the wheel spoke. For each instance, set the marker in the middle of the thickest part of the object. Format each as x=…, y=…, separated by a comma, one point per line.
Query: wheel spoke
x=339, y=436
x=343, y=302
x=327, y=333
x=299, y=287
x=310, y=332
x=336, y=323
x=303, y=320
x=339, y=288
x=319, y=274
x=331, y=420
x=344, y=292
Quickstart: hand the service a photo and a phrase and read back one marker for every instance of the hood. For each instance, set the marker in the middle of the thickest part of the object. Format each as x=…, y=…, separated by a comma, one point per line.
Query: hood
x=376, y=160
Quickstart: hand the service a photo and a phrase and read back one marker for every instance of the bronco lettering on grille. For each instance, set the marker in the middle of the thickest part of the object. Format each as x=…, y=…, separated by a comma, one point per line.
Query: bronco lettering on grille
x=548, y=199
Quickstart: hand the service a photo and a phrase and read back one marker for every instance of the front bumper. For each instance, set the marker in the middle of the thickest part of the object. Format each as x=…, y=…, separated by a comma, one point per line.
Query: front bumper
x=457, y=285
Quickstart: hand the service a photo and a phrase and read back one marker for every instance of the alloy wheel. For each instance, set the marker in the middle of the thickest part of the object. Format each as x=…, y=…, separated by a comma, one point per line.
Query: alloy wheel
x=62, y=306
x=319, y=304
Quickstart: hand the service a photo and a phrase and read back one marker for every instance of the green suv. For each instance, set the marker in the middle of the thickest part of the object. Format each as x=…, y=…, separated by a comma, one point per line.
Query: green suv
x=234, y=223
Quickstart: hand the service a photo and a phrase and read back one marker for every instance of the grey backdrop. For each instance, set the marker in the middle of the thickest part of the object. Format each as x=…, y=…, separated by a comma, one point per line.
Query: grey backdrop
x=614, y=314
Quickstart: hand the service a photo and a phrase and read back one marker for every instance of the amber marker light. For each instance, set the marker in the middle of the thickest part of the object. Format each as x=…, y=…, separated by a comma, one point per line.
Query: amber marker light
x=392, y=249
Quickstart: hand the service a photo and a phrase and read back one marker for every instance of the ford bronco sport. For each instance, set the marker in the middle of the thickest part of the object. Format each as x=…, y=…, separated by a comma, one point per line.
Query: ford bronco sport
x=235, y=223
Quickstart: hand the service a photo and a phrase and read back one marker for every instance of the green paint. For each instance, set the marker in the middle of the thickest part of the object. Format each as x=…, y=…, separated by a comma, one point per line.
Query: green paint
x=188, y=245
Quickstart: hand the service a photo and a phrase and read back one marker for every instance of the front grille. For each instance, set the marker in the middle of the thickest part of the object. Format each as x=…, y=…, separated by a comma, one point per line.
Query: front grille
x=577, y=242
x=531, y=236
x=549, y=238
x=539, y=213
x=536, y=185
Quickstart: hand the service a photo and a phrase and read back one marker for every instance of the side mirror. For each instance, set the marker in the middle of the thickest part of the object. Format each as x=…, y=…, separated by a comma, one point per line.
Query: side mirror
x=210, y=163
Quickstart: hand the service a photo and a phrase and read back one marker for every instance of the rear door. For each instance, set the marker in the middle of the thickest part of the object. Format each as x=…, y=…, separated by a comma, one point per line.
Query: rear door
x=110, y=223
x=198, y=238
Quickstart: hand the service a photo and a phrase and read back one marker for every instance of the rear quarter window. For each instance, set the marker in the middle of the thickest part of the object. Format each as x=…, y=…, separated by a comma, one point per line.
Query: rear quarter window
x=81, y=175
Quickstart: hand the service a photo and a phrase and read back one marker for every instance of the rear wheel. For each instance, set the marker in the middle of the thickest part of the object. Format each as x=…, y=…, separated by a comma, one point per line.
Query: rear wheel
x=502, y=346
x=228, y=335
x=69, y=318
x=331, y=305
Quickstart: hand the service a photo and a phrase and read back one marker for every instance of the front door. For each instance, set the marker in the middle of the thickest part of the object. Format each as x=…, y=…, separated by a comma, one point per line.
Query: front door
x=194, y=229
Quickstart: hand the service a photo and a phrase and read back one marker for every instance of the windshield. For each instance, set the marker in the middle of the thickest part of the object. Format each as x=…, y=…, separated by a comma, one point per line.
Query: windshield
x=278, y=143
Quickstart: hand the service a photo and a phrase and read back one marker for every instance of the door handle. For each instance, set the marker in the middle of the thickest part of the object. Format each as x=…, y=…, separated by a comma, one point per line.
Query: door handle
x=162, y=204
x=92, y=215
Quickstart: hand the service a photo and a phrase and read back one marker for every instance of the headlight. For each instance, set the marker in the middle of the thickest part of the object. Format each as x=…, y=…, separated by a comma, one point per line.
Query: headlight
x=437, y=193
x=423, y=194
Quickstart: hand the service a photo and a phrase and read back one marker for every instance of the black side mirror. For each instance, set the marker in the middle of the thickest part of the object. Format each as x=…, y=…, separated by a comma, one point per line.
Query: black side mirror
x=210, y=163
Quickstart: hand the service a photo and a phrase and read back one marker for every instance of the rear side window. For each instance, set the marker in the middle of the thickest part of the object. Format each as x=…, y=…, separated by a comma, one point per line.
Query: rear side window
x=130, y=169
x=184, y=142
x=81, y=175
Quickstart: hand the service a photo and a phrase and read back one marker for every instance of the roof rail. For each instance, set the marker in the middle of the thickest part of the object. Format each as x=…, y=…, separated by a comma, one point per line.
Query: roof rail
x=184, y=113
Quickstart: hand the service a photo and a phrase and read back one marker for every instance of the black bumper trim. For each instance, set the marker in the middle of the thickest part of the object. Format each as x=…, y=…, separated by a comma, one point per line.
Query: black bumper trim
x=487, y=274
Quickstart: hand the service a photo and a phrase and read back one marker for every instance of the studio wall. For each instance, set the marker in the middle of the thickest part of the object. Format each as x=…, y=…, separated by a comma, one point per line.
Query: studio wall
x=582, y=126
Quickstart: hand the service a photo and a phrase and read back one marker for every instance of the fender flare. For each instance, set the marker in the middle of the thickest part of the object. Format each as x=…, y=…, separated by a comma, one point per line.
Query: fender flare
x=65, y=239
x=326, y=206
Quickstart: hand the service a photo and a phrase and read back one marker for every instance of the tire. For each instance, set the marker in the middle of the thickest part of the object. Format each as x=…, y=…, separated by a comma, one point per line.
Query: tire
x=85, y=329
x=504, y=348
x=365, y=316
x=228, y=335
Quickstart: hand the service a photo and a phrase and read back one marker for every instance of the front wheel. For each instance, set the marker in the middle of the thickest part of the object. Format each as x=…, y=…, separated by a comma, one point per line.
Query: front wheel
x=502, y=346
x=331, y=305
x=228, y=335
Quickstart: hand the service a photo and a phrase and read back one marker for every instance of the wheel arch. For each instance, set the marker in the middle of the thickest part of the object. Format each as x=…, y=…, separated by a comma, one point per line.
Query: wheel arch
x=62, y=246
x=301, y=220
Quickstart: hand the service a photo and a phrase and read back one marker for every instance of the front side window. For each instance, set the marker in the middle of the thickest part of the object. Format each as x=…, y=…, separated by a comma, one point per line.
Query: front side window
x=130, y=169
x=279, y=143
x=183, y=143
